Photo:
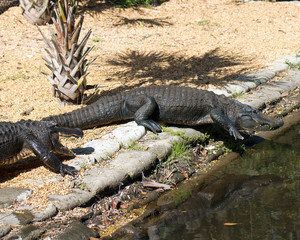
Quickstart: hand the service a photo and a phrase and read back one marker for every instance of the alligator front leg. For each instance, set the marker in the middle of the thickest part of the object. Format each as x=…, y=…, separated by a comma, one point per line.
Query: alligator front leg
x=219, y=117
x=49, y=159
x=144, y=108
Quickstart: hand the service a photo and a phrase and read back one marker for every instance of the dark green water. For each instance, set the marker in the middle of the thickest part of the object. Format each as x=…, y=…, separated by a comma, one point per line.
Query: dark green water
x=256, y=197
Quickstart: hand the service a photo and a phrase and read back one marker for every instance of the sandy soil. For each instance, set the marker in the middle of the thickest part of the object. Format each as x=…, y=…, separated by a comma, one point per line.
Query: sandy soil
x=185, y=42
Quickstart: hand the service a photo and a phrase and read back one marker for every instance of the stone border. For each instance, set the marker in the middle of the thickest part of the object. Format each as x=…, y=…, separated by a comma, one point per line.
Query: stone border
x=130, y=164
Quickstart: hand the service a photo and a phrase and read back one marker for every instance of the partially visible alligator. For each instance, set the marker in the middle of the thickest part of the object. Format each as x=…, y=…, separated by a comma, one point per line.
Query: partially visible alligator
x=19, y=139
x=168, y=104
x=6, y=4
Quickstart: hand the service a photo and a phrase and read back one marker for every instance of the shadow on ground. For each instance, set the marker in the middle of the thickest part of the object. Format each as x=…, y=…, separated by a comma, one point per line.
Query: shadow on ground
x=92, y=7
x=134, y=69
x=160, y=22
x=10, y=171
x=152, y=66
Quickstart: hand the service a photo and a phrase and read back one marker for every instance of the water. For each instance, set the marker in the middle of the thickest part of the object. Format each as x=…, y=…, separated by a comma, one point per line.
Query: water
x=255, y=197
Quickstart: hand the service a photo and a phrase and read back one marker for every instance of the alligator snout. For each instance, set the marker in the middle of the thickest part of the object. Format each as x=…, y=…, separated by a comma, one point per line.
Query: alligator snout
x=76, y=132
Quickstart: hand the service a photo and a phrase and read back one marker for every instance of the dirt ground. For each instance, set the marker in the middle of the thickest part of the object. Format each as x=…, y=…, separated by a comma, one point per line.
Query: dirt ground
x=184, y=42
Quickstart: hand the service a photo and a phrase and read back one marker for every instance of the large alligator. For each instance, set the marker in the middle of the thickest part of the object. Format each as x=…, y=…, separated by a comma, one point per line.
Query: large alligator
x=18, y=140
x=171, y=105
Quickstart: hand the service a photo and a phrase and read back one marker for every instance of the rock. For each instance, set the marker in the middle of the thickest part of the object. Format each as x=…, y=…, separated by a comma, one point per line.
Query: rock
x=219, y=91
x=189, y=133
x=263, y=75
x=278, y=67
x=134, y=162
x=236, y=87
x=266, y=95
x=251, y=83
x=49, y=212
x=9, y=195
x=4, y=229
x=161, y=147
x=77, y=231
x=127, y=133
x=253, y=102
x=70, y=200
x=98, y=180
x=95, y=151
x=20, y=217
x=31, y=232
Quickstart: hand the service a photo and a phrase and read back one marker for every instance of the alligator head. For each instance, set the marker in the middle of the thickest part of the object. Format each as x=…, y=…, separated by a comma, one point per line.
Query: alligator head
x=250, y=119
x=55, y=131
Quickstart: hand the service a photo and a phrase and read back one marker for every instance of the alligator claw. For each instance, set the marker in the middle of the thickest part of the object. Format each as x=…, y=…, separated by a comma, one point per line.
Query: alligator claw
x=151, y=125
x=235, y=133
x=66, y=169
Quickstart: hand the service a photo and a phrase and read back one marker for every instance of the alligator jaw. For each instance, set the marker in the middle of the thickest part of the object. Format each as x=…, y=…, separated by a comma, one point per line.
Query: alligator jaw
x=61, y=149
x=258, y=122
x=76, y=132
x=57, y=146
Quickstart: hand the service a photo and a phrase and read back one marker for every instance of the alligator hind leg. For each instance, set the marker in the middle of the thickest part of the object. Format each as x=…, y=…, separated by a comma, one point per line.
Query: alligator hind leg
x=144, y=108
x=48, y=158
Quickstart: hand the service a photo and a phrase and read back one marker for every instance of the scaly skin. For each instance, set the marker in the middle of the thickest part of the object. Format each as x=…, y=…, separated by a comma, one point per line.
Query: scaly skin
x=171, y=105
x=39, y=137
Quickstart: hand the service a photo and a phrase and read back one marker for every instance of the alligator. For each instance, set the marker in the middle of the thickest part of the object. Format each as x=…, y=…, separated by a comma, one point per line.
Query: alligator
x=169, y=105
x=20, y=139
x=6, y=4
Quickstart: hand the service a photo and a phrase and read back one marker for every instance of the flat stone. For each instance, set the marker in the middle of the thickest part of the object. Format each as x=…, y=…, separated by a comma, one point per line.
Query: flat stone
x=263, y=75
x=278, y=67
x=49, y=212
x=98, y=180
x=253, y=102
x=188, y=132
x=4, y=229
x=251, y=83
x=265, y=95
x=126, y=134
x=290, y=59
x=219, y=91
x=236, y=87
x=21, y=217
x=77, y=231
x=8, y=195
x=30, y=232
x=279, y=86
x=134, y=162
x=70, y=200
x=294, y=76
x=161, y=147
x=95, y=151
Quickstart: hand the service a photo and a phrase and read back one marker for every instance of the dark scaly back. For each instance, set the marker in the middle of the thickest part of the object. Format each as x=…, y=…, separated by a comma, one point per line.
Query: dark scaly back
x=185, y=105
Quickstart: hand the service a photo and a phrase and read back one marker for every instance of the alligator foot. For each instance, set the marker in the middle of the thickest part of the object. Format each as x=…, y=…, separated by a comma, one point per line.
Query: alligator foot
x=235, y=133
x=150, y=124
x=66, y=169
